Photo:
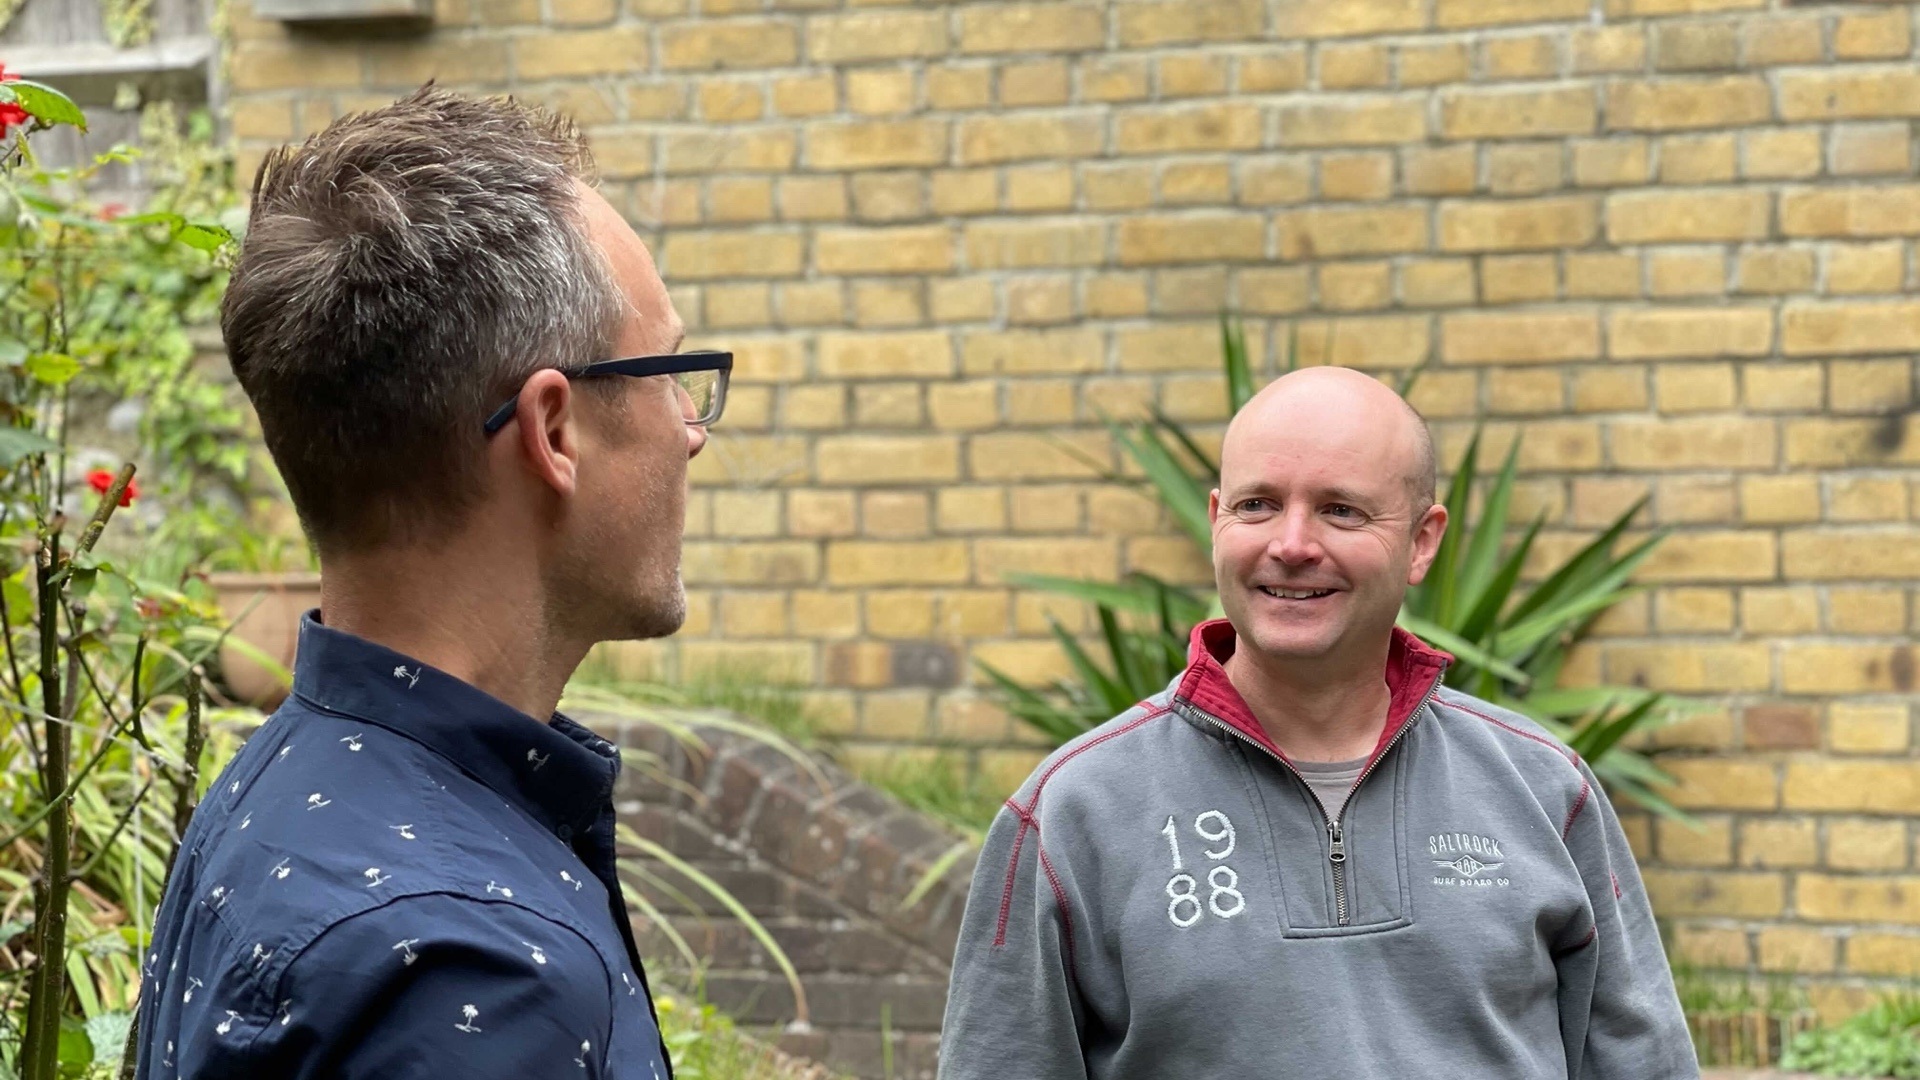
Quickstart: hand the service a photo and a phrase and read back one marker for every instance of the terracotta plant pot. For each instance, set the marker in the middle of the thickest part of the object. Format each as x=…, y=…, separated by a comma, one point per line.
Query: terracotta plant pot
x=272, y=625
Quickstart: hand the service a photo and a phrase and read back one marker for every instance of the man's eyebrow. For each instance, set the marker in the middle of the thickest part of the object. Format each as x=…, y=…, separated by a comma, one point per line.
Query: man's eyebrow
x=1263, y=488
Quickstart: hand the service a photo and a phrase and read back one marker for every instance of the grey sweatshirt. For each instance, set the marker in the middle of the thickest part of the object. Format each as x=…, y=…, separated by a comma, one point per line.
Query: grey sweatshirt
x=1166, y=898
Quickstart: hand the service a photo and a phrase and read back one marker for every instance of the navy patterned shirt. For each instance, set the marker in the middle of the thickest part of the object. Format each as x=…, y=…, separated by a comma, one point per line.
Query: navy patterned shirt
x=398, y=876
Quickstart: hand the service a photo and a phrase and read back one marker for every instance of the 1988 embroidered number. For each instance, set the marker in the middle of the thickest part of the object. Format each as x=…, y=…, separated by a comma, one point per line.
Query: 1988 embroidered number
x=1183, y=889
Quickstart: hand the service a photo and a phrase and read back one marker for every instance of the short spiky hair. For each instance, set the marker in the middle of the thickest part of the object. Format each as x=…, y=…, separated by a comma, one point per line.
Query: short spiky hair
x=400, y=271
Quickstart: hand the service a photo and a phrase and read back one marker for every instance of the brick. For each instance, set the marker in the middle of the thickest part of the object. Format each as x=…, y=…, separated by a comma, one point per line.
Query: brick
x=1896, y=955
x=776, y=562
x=1088, y=558
x=1212, y=237
x=873, y=144
x=1274, y=181
x=888, y=196
x=1148, y=23
x=727, y=150
x=1781, y=154
x=1524, y=168
x=1722, y=784
x=1865, y=844
x=1022, y=456
x=1775, y=271
x=1046, y=508
x=1609, y=48
x=918, y=249
x=1706, y=841
x=887, y=459
x=1610, y=162
x=1867, y=610
x=288, y=65
x=263, y=118
x=964, y=406
x=1352, y=286
x=888, y=404
x=1698, y=669
x=964, y=191
x=1886, y=210
x=1388, y=341
x=1272, y=70
x=1225, y=125
x=1361, y=121
x=1519, y=224
x=918, y=562
x=1040, y=299
x=1279, y=290
x=1666, y=333
x=1602, y=275
x=1477, y=337
x=1697, y=159
x=1530, y=113
x=811, y=303
x=1609, y=389
x=805, y=95
x=876, y=35
x=1868, y=728
x=1437, y=283
x=450, y=60
x=1433, y=63
x=1035, y=82
x=1652, y=217
x=1310, y=19
x=1196, y=182
x=1849, y=555
x=1869, y=149
x=754, y=614
x=1851, y=92
x=722, y=43
x=1707, y=946
x=1845, y=669
x=961, y=300
x=1703, y=556
x=1780, y=39
x=717, y=253
x=1878, y=35
x=880, y=91
x=1870, y=386
x=1866, y=268
x=729, y=100
x=1530, y=56
x=1460, y=14
x=1696, y=387
x=970, y=509
x=1827, y=898
x=1716, y=893
x=1783, y=387
x=1674, y=104
x=998, y=139
x=1357, y=66
x=1851, y=328
x=1695, y=46
x=1781, y=727
x=924, y=353
x=1707, y=442
x=1002, y=245
x=1331, y=233
x=1796, y=950
x=1012, y=27
x=1777, y=843
x=1853, y=442
x=775, y=662
x=1693, y=500
x=895, y=515
x=1030, y=352
x=960, y=87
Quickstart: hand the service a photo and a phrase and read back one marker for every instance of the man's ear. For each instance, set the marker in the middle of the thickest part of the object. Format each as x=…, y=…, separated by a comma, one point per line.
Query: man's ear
x=1213, y=506
x=1426, y=542
x=547, y=422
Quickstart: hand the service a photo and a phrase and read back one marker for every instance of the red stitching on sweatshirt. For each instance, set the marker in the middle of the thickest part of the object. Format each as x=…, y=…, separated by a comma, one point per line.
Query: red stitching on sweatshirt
x=1027, y=818
x=1066, y=916
x=1579, y=804
x=1583, y=943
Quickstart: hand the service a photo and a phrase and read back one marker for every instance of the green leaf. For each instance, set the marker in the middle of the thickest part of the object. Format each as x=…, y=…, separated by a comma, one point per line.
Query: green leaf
x=108, y=1032
x=80, y=581
x=1434, y=634
x=43, y=103
x=75, y=1053
x=204, y=237
x=13, y=352
x=17, y=443
x=52, y=368
x=1233, y=352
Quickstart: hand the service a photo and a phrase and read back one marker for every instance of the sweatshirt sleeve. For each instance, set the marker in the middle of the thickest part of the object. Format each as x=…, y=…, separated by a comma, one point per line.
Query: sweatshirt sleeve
x=1012, y=1010
x=1619, y=1014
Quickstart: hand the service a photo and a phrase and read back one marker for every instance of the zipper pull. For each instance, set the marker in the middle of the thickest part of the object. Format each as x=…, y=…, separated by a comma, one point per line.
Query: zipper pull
x=1339, y=852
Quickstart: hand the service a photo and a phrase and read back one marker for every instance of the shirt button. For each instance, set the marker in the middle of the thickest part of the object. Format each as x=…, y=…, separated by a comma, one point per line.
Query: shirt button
x=566, y=832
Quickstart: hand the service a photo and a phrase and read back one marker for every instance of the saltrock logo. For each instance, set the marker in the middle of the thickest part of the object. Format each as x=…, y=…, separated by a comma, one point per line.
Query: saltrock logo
x=1472, y=858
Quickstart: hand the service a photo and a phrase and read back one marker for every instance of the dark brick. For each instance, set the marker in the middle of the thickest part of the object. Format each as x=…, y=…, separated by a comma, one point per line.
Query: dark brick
x=1782, y=727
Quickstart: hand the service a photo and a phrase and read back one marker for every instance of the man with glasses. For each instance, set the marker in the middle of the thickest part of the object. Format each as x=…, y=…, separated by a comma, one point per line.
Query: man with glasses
x=465, y=366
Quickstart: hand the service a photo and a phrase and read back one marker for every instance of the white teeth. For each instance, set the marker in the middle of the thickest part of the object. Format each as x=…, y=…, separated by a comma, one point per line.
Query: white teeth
x=1295, y=594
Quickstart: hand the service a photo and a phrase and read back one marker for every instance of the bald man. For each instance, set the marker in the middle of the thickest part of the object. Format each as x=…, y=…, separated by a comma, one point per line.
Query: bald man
x=1307, y=857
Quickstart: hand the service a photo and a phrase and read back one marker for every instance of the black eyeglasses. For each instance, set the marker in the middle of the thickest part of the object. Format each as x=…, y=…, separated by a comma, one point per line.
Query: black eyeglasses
x=700, y=378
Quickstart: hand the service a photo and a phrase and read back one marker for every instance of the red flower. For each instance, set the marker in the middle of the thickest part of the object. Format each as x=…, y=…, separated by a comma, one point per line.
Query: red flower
x=102, y=479
x=10, y=114
x=111, y=210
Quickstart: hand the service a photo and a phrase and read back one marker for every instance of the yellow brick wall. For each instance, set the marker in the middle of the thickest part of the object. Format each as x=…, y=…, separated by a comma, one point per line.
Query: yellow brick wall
x=1670, y=241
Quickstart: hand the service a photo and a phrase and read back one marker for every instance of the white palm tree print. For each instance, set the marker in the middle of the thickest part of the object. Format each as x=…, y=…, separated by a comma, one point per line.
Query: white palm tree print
x=471, y=1014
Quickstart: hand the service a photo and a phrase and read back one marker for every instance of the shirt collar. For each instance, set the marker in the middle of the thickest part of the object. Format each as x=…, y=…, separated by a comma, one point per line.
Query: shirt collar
x=558, y=772
x=1413, y=667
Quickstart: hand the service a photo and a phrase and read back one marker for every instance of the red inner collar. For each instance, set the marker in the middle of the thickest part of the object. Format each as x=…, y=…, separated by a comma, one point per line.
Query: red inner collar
x=1412, y=669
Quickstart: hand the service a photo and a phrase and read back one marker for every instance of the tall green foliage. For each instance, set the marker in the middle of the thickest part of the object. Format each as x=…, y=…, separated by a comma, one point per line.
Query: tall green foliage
x=1510, y=638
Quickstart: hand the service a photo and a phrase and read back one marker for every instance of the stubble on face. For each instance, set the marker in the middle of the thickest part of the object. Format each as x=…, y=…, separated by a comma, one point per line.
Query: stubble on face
x=625, y=571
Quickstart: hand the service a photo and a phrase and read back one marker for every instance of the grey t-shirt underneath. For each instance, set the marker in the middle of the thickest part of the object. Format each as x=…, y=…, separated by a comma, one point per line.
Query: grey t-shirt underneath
x=1331, y=780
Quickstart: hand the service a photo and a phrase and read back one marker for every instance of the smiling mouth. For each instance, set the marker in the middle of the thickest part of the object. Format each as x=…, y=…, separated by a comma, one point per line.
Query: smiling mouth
x=1295, y=594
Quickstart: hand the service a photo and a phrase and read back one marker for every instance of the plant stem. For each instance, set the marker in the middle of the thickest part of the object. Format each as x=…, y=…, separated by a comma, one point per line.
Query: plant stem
x=47, y=991
x=187, y=780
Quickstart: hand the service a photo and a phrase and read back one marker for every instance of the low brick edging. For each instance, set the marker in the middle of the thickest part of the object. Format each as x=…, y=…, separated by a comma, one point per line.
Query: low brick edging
x=822, y=860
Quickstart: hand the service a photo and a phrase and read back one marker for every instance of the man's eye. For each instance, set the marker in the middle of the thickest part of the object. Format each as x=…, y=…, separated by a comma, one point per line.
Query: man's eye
x=1343, y=510
x=1254, y=506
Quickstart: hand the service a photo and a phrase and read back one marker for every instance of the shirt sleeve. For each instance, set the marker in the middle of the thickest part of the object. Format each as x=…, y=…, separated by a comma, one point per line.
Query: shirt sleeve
x=439, y=986
x=1620, y=1016
x=1012, y=1009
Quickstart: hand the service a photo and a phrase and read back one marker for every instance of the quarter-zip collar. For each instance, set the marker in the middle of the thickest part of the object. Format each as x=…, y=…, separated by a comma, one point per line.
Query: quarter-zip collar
x=1412, y=669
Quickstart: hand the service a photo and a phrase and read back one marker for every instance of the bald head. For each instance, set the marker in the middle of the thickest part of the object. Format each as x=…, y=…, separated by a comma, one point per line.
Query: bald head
x=1339, y=404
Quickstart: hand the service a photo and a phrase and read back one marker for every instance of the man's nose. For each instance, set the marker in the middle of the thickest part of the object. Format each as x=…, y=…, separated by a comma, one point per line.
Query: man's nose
x=1295, y=542
x=696, y=440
